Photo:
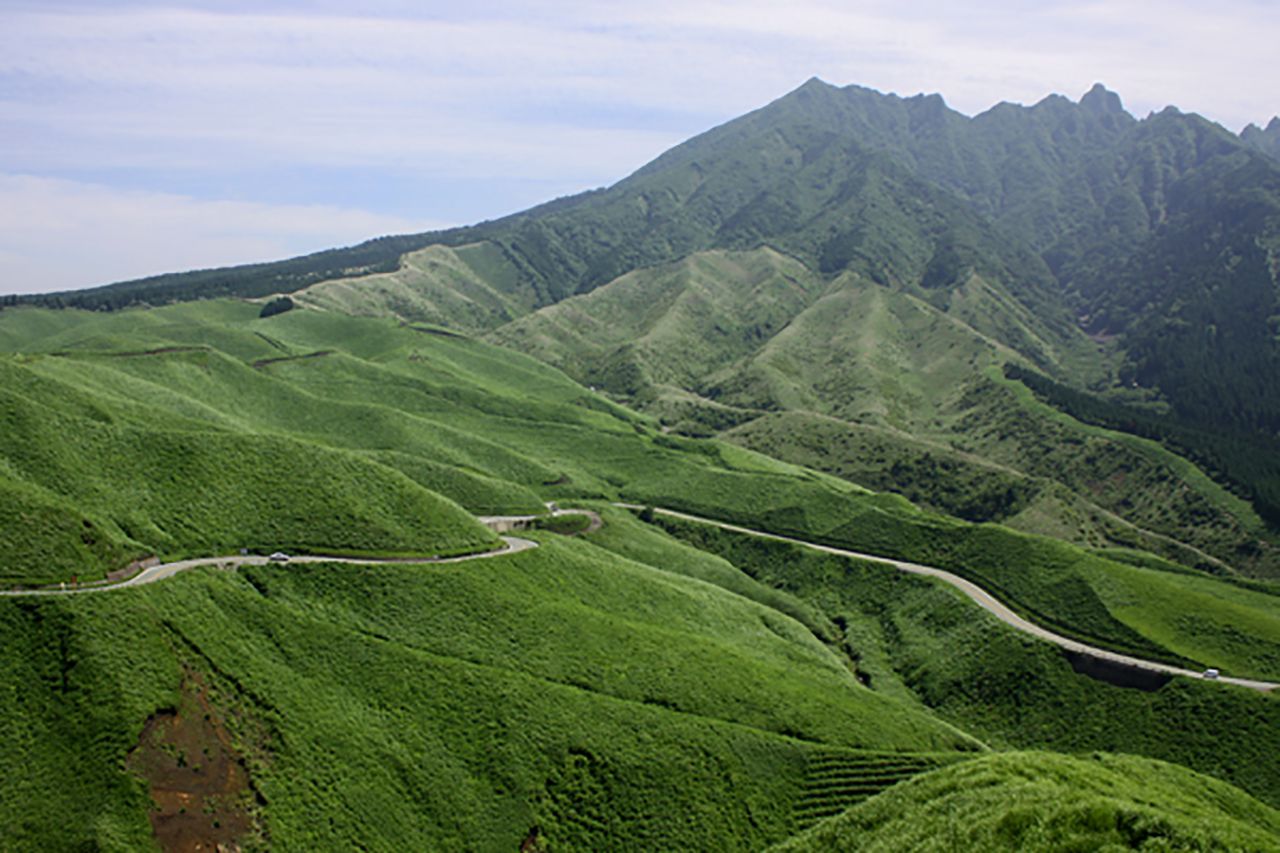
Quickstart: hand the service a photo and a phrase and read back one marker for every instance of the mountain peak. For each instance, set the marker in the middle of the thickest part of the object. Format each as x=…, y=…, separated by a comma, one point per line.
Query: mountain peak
x=1267, y=141
x=1101, y=101
x=814, y=84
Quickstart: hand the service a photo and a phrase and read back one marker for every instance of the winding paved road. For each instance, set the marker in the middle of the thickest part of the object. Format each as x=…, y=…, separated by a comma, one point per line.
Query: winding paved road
x=514, y=544
x=498, y=523
x=511, y=545
x=980, y=596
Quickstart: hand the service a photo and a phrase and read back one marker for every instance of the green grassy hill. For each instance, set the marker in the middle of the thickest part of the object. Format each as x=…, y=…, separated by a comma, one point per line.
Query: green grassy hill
x=875, y=259
x=179, y=447
x=602, y=701
x=891, y=390
x=149, y=424
x=1036, y=801
x=465, y=287
x=1028, y=323
x=617, y=689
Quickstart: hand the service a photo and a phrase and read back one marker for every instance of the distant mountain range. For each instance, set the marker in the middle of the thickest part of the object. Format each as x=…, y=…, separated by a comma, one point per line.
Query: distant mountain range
x=863, y=283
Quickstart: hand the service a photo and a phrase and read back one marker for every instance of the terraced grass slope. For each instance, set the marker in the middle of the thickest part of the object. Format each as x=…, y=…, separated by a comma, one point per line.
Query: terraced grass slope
x=1039, y=801
x=835, y=781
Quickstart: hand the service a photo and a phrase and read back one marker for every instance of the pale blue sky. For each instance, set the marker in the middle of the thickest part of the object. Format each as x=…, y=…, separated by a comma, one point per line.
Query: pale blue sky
x=138, y=137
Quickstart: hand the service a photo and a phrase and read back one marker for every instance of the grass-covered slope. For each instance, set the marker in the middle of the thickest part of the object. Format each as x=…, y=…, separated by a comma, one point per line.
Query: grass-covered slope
x=1040, y=801
x=468, y=287
x=1078, y=593
x=619, y=689
x=201, y=427
x=867, y=257
x=181, y=492
x=758, y=330
x=672, y=326
x=896, y=390
x=169, y=431
x=1003, y=456
x=563, y=692
x=922, y=641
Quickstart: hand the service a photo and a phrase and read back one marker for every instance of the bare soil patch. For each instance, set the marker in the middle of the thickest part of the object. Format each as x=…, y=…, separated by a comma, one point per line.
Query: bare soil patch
x=199, y=784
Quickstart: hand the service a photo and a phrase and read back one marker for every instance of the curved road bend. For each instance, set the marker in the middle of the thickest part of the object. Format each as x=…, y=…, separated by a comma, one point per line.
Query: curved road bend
x=511, y=545
x=979, y=595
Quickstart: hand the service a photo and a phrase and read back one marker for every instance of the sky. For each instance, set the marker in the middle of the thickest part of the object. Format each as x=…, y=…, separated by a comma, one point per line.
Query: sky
x=138, y=138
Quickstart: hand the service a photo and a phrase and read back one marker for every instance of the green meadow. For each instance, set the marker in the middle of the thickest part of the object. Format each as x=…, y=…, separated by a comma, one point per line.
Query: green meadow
x=186, y=420
x=1030, y=347
x=923, y=642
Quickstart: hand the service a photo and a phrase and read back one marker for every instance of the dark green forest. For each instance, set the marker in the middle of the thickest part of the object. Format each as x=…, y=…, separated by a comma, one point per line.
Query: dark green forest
x=1249, y=463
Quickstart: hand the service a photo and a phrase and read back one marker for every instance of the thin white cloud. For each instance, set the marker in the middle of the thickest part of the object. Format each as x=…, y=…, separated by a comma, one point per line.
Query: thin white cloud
x=575, y=93
x=372, y=88
x=57, y=234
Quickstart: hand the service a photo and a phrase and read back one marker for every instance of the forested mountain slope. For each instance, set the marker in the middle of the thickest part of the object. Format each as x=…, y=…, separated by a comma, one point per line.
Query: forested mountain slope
x=1267, y=141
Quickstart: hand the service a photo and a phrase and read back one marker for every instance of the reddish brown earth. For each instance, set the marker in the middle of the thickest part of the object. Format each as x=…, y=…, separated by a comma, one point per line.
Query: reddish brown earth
x=199, y=785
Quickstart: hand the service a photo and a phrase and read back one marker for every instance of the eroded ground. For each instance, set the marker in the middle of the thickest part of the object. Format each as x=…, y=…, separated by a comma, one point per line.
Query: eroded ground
x=199, y=783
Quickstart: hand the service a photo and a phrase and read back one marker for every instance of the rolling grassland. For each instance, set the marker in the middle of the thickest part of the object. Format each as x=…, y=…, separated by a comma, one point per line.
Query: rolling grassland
x=604, y=701
x=615, y=689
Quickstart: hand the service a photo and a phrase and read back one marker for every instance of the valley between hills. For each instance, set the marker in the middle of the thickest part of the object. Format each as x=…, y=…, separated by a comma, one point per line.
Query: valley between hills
x=840, y=329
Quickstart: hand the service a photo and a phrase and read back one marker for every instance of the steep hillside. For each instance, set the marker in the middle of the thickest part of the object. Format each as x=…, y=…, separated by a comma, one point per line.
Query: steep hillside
x=878, y=385
x=1114, y=205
